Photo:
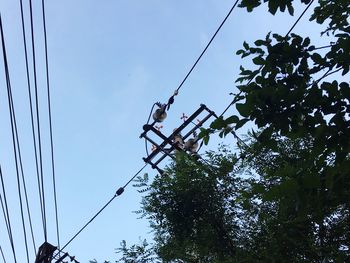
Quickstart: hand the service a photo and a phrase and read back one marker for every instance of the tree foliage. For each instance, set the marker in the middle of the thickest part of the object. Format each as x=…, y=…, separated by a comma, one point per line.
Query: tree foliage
x=193, y=211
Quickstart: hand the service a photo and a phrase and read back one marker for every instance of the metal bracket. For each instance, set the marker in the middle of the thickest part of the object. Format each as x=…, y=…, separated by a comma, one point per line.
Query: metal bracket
x=45, y=253
x=168, y=145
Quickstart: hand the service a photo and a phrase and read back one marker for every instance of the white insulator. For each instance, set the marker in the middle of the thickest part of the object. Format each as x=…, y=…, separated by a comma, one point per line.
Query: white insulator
x=178, y=140
x=191, y=145
x=159, y=115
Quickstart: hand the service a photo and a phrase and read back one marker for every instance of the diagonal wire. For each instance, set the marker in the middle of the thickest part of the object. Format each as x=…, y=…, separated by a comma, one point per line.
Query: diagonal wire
x=50, y=124
x=6, y=213
x=236, y=98
x=32, y=121
x=171, y=99
x=14, y=133
x=2, y=255
x=118, y=193
x=18, y=160
x=40, y=180
x=207, y=46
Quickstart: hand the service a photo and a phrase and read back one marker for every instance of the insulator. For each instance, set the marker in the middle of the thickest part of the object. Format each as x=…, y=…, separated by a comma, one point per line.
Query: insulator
x=178, y=140
x=159, y=115
x=120, y=191
x=191, y=145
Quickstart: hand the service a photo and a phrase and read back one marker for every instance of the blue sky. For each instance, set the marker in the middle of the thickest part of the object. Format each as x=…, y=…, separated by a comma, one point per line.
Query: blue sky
x=110, y=60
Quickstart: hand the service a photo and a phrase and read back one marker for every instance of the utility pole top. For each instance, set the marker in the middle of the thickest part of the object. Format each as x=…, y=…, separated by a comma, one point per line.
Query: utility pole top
x=45, y=253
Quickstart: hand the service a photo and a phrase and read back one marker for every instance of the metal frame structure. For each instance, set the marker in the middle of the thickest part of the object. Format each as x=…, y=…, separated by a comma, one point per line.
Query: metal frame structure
x=46, y=254
x=168, y=144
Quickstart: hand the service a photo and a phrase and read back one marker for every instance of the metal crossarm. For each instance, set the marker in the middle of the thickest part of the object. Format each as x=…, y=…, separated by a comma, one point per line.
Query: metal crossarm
x=168, y=144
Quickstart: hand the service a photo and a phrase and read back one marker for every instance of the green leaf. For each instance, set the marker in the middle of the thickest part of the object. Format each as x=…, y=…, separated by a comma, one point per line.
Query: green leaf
x=231, y=119
x=317, y=58
x=240, y=123
x=243, y=109
x=260, y=42
x=306, y=42
x=290, y=8
x=259, y=61
x=245, y=45
x=273, y=6
x=239, y=52
x=265, y=135
x=218, y=124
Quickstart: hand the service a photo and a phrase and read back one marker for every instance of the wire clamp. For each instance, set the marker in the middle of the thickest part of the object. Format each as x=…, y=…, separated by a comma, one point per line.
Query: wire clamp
x=120, y=191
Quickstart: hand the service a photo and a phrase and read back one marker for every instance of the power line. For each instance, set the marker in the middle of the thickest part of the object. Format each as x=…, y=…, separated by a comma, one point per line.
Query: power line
x=5, y=210
x=32, y=117
x=323, y=47
x=41, y=180
x=2, y=255
x=18, y=163
x=301, y=15
x=171, y=99
x=236, y=98
x=50, y=123
x=19, y=149
x=14, y=136
x=118, y=193
x=133, y=177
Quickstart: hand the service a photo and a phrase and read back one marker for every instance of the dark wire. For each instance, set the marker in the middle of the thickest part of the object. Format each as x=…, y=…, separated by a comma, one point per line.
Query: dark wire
x=119, y=192
x=114, y=196
x=171, y=99
x=148, y=119
x=207, y=46
x=2, y=254
x=38, y=121
x=9, y=232
x=132, y=178
x=32, y=118
x=18, y=158
x=297, y=21
x=50, y=124
x=323, y=47
x=12, y=119
x=5, y=211
x=150, y=113
x=289, y=31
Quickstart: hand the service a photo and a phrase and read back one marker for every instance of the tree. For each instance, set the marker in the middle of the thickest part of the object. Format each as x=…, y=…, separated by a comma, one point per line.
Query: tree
x=300, y=220
x=190, y=209
x=289, y=99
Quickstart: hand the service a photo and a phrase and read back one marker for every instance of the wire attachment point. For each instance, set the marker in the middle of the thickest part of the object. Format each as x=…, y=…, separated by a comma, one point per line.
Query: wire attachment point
x=120, y=191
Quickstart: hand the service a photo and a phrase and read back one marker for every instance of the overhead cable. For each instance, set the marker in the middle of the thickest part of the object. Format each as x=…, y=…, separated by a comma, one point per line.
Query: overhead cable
x=14, y=135
x=50, y=124
x=117, y=193
x=5, y=211
x=171, y=99
x=2, y=255
x=41, y=179
x=32, y=119
x=236, y=98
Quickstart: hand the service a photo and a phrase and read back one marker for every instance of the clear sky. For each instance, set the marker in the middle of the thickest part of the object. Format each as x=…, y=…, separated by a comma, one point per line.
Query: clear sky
x=110, y=60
